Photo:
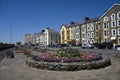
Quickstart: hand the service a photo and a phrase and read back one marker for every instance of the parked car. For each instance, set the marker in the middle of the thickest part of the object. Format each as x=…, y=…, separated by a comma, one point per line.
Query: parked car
x=62, y=45
x=117, y=46
x=89, y=46
x=105, y=45
x=42, y=46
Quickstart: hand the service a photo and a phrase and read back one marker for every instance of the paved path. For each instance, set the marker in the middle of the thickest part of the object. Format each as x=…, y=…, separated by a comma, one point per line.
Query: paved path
x=15, y=69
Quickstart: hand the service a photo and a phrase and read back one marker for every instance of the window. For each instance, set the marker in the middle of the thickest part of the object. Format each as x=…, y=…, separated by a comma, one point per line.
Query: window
x=113, y=16
x=92, y=28
x=113, y=32
x=119, y=31
x=97, y=34
x=118, y=23
x=92, y=35
x=96, y=27
x=88, y=28
x=105, y=33
x=63, y=38
x=83, y=35
x=83, y=29
x=62, y=32
x=105, y=40
x=68, y=37
x=68, y=32
x=77, y=30
x=88, y=41
x=105, y=25
x=88, y=35
x=92, y=41
x=118, y=15
x=113, y=23
x=105, y=18
x=77, y=36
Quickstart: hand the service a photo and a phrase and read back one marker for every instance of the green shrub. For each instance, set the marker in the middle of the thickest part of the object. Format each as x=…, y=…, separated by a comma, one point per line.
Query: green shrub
x=68, y=52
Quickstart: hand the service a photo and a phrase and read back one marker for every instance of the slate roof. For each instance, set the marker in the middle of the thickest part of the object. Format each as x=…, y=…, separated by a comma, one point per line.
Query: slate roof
x=52, y=30
x=91, y=20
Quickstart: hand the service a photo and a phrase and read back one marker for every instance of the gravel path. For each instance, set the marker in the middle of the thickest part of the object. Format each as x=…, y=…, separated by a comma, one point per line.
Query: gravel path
x=15, y=69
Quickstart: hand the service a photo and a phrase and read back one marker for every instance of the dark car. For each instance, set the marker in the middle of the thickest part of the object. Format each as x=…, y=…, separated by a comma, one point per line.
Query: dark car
x=62, y=45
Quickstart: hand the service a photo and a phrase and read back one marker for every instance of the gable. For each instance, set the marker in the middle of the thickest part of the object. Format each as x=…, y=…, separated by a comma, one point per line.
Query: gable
x=114, y=9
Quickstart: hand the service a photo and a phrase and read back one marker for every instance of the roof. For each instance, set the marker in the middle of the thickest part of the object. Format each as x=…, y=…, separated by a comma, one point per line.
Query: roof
x=52, y=30
x=110, y=9
x=70, y=25
x=91, y=20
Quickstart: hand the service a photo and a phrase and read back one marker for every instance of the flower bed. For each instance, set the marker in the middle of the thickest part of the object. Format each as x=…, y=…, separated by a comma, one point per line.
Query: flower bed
x=68, y=59
x=48, y=57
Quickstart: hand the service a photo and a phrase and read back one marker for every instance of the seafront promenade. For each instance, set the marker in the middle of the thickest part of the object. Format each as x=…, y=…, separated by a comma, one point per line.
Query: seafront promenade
x=15, y=69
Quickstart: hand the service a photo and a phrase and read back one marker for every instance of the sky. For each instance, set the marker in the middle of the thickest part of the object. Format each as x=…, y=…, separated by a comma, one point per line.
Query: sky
x=31, y=16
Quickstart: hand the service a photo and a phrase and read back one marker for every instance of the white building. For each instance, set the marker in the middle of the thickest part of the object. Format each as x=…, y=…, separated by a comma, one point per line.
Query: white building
x=51, y=36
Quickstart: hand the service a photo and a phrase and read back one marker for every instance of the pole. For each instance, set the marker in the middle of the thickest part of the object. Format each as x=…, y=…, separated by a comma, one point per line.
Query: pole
x=86, y=42
x=11, y=34
x=16, y=39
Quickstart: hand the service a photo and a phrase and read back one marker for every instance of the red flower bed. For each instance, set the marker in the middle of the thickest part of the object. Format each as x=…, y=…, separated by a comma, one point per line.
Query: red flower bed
x=48, y=57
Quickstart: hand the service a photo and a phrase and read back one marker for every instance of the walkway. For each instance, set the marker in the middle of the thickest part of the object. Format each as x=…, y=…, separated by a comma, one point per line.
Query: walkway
x=15, y=69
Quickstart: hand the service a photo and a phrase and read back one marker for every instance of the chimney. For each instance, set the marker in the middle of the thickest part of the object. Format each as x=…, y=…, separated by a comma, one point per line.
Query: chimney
x=86, y=18
x=71, y=23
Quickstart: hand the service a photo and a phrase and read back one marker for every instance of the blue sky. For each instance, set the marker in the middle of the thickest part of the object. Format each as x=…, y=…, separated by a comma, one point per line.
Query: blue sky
x=31, y=16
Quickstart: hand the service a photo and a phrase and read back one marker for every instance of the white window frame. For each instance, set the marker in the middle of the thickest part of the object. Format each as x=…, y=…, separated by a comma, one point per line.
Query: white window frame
x=88, y=40
x=112, y=32
x=105, y=18
x=118, y=17
x=92, y=28
x=88, y=28
x=113, y=14
x=118, y=31
x=88, y=34
x=118, y=22
x=112, y=23
x=105, y=33
x=104, y=25
x=92, y=34
x=92, y=40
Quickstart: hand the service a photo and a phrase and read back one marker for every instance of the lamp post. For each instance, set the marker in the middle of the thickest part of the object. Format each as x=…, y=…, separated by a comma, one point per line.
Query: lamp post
x=86, y=43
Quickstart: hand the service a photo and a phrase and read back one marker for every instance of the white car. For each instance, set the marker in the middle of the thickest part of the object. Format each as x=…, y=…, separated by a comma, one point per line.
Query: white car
x=89, y=46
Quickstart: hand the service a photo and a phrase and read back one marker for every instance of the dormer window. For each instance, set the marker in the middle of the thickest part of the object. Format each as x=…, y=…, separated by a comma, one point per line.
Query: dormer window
x=113, y=16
